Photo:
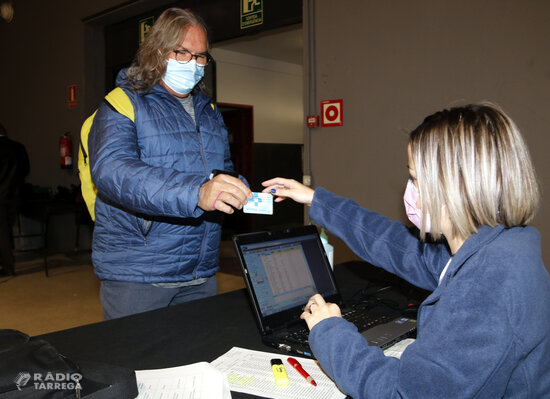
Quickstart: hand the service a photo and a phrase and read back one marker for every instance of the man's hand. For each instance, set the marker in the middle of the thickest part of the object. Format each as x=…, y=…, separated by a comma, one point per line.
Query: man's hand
x=223, y=193
x=318, y=310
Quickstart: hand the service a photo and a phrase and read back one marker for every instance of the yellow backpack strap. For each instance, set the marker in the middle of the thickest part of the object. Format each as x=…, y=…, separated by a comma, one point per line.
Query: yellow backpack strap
x=120, y=101
x=89, y=191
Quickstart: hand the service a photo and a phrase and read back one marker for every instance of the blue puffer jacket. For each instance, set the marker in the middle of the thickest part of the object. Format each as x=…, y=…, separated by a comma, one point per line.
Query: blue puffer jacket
x=148, y=174
x=484, y=332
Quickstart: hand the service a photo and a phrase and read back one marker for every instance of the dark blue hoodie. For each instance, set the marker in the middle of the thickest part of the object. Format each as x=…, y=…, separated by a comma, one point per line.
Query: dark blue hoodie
x=484, y=332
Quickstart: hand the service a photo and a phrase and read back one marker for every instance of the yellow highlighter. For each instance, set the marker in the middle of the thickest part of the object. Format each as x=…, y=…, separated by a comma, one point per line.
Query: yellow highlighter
x=279, y=372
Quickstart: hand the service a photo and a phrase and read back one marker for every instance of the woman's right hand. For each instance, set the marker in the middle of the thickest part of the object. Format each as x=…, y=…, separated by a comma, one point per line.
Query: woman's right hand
x=288, y=188
x=317, y=310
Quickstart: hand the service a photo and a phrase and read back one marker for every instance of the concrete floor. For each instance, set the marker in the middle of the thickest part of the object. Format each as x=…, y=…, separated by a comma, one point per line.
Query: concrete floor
x=69, y=297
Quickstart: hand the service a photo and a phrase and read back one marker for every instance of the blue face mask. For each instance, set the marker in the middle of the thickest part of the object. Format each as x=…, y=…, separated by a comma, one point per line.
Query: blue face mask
x=181, y=78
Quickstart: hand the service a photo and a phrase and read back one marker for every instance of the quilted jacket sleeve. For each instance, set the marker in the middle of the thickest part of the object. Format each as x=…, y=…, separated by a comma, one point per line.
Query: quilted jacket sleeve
x=122, y=178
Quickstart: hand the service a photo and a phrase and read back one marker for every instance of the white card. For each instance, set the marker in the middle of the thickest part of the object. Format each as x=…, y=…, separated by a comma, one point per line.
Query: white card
x=261, y=203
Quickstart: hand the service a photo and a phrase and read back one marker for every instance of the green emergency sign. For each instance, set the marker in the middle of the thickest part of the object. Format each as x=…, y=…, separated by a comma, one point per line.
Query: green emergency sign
x=252, y=13
x=144, y=26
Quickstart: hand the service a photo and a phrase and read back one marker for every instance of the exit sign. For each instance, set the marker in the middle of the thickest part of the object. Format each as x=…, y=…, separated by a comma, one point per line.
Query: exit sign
x=252, y=13
x=145, y=26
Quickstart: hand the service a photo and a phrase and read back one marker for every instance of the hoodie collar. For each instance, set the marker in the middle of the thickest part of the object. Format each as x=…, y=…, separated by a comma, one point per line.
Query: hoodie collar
x=471, y=246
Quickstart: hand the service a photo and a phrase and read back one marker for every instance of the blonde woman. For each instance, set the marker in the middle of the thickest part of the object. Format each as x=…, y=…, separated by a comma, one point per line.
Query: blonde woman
x=484, y=332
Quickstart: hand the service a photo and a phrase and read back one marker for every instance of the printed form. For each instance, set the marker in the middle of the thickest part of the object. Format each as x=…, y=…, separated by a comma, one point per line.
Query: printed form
x=194, y=381
x=250, y=372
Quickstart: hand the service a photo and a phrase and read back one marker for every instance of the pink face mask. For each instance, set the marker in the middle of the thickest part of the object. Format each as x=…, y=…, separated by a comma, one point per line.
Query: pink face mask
x=413, y=213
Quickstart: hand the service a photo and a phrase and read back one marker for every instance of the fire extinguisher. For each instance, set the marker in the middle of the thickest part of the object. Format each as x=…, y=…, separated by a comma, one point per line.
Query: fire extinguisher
x=66, y=151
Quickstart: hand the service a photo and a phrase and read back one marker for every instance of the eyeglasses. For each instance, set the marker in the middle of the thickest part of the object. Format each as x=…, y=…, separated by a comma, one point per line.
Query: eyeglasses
x=183, y=56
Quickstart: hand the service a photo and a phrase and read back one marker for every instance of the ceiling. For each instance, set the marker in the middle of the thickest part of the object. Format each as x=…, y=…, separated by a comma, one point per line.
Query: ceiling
x=282, y=44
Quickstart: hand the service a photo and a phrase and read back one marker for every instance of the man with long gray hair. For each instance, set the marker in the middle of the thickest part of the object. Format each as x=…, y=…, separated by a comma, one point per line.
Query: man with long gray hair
x=157, y=231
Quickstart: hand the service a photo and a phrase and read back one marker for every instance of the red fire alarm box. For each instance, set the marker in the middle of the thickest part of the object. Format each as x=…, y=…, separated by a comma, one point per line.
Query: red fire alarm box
x=332, y=112
x=312, y=120
x=72, y=96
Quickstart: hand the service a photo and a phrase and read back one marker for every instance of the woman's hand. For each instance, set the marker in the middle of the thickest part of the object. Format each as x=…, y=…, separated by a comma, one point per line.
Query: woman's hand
x=318, y=310
x=288, y=188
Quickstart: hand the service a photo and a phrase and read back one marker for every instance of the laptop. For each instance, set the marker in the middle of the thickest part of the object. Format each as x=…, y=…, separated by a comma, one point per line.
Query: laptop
x=282, y=269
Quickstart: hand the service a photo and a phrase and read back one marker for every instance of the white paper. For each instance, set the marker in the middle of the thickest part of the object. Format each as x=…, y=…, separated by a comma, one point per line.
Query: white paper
x=194, y=381
x=250, y=372
x=397, y=349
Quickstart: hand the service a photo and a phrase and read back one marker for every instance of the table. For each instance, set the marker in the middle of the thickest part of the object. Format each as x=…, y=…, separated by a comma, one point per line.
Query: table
x=205, y=329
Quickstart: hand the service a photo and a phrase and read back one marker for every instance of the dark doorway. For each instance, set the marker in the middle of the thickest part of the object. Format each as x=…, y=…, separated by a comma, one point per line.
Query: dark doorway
x=283, y=160
x=239, y=120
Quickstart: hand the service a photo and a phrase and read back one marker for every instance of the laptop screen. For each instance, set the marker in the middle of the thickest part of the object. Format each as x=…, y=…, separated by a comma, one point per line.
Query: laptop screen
x=285, y=270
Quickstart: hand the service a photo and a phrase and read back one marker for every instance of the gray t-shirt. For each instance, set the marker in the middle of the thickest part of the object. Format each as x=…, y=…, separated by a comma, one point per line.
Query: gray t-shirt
x=187, y=103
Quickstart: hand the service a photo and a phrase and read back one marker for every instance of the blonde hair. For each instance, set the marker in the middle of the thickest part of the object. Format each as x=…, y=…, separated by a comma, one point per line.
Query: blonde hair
x=474, y=161
x=166, y=35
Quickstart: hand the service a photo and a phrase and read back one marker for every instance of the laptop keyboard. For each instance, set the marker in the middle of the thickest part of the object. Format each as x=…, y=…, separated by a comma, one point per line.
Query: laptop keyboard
x=299, y=336
x=364, y=320
x=359, y=317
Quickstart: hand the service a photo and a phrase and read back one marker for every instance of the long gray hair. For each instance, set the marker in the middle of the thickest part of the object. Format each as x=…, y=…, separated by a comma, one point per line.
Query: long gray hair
x=166, y=35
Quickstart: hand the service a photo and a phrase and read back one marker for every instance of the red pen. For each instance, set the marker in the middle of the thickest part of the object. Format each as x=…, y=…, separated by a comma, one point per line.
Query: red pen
x=300, y=370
